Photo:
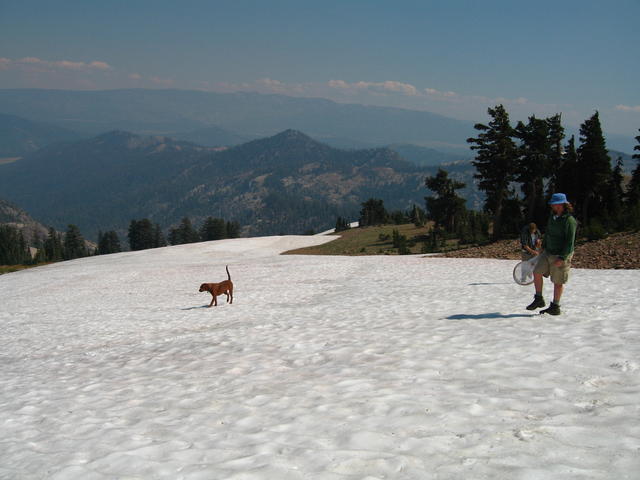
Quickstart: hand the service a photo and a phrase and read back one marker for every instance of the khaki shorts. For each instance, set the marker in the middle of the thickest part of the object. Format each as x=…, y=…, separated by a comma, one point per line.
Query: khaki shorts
x=546, y=267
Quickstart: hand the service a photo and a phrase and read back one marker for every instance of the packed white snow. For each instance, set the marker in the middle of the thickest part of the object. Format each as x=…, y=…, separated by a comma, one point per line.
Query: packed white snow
x=397, y=367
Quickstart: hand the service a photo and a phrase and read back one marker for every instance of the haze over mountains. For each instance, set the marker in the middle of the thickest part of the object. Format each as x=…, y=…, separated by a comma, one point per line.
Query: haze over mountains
x=245, y=114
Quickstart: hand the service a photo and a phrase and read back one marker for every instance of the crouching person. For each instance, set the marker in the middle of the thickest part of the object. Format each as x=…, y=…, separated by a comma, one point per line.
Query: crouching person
x=555, y=260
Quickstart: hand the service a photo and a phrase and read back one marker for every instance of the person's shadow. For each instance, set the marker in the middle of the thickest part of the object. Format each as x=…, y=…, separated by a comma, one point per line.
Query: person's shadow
x=481, y=316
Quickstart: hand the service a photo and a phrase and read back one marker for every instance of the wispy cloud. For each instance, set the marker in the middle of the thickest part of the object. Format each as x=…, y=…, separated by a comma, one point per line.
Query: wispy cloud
x=389, y=86
x=35, y=64
x=627, y=108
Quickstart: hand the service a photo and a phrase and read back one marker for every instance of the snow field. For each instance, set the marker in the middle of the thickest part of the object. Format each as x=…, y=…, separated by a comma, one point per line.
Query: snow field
x=323, y=368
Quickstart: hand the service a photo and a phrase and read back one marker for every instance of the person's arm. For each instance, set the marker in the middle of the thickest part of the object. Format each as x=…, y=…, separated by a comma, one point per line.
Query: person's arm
x=524, y=241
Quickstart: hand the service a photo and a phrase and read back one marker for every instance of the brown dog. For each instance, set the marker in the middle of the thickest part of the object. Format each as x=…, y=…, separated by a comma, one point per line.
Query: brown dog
x=216, y=289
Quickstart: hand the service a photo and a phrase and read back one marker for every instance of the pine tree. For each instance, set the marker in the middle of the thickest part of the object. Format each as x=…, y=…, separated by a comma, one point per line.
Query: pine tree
x=593, y=172
x=495, y=163
x=13, y=247
x=533, y=165
x=342, y=224
x=417, y=216
x=614, y=197
x=74, y=245
x=53, y=246
x=108, y=243
x=213, y=229
x=565, y=178
x=446, y=209
x=184, y=233
x=158, y=237
x=373, y=213
x=143, y=234
x=633, y=190
x=233, y=229
x=400, y=242
x=632, y=202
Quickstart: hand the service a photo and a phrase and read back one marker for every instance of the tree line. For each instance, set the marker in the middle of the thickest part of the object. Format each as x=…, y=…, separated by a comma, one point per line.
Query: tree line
x=142, y=234
x=518, y=168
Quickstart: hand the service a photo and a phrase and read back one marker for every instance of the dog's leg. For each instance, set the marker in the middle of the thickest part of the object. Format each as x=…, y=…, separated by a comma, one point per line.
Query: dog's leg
x=231, y=293
x=212, y=299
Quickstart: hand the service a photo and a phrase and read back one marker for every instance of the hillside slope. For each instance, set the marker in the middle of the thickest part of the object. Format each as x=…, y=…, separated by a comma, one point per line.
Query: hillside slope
x=288, y=183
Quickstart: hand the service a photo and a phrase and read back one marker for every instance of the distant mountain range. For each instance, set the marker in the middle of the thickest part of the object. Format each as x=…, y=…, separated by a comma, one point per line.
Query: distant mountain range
x=245, y=115
x=19, y=136
x=214, y=119
x=288, y=183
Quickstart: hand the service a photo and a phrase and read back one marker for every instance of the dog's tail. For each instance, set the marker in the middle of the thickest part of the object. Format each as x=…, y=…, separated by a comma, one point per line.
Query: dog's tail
x=228, y=274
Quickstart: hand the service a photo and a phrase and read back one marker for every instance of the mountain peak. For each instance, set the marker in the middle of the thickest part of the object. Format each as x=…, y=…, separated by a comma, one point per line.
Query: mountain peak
x=291, y=135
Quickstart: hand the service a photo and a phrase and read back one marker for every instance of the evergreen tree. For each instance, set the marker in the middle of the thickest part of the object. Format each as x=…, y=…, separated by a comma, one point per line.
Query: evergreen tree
x=539, y=158
x=184, y=233
x=213, y=229
x=53, y=246
x=400, y=242
x=495, y=163
x=108, y=242
x=446, y=209
x=143, y=234
x=398, y=217
x=565, y=178
x=158, y=237
x=373, y=213
x=417, y=216
x=593, y=172
x=74, y=245
x=632, y=202
x=473, y=228
x=233, y=229
x=633, y=190
x=13, y=247
x=342, y=224
x=613, y=198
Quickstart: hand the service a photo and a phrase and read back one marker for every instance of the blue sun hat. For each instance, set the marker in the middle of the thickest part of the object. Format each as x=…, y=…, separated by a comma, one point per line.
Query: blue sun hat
x=558, y=198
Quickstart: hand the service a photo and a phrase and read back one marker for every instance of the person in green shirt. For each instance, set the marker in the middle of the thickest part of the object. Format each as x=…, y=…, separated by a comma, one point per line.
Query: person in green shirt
x=555, y=260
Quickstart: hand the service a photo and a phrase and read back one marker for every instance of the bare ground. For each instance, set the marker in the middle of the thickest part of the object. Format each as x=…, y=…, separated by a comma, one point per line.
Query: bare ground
x=618, y=251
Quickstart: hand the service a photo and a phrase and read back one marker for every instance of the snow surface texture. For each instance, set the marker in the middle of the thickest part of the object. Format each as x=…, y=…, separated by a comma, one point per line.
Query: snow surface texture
x=395, y=367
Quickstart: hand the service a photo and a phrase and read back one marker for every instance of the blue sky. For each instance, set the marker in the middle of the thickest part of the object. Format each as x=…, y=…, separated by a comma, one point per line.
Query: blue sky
x=451, y=57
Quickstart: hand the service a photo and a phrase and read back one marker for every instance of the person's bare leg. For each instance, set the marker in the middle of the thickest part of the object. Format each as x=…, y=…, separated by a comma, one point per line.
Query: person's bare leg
x=538, y=283
x=558, y=288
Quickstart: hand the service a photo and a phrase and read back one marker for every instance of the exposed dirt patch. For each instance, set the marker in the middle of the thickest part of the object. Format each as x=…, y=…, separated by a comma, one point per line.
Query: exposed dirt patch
x=620, y=250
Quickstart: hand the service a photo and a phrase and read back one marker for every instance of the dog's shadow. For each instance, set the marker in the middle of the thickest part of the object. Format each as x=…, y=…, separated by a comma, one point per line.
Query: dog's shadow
x=195, y=308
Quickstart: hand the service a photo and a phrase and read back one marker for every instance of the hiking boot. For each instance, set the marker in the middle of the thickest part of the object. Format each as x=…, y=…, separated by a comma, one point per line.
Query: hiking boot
x=554, y=309
x=538, y=302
